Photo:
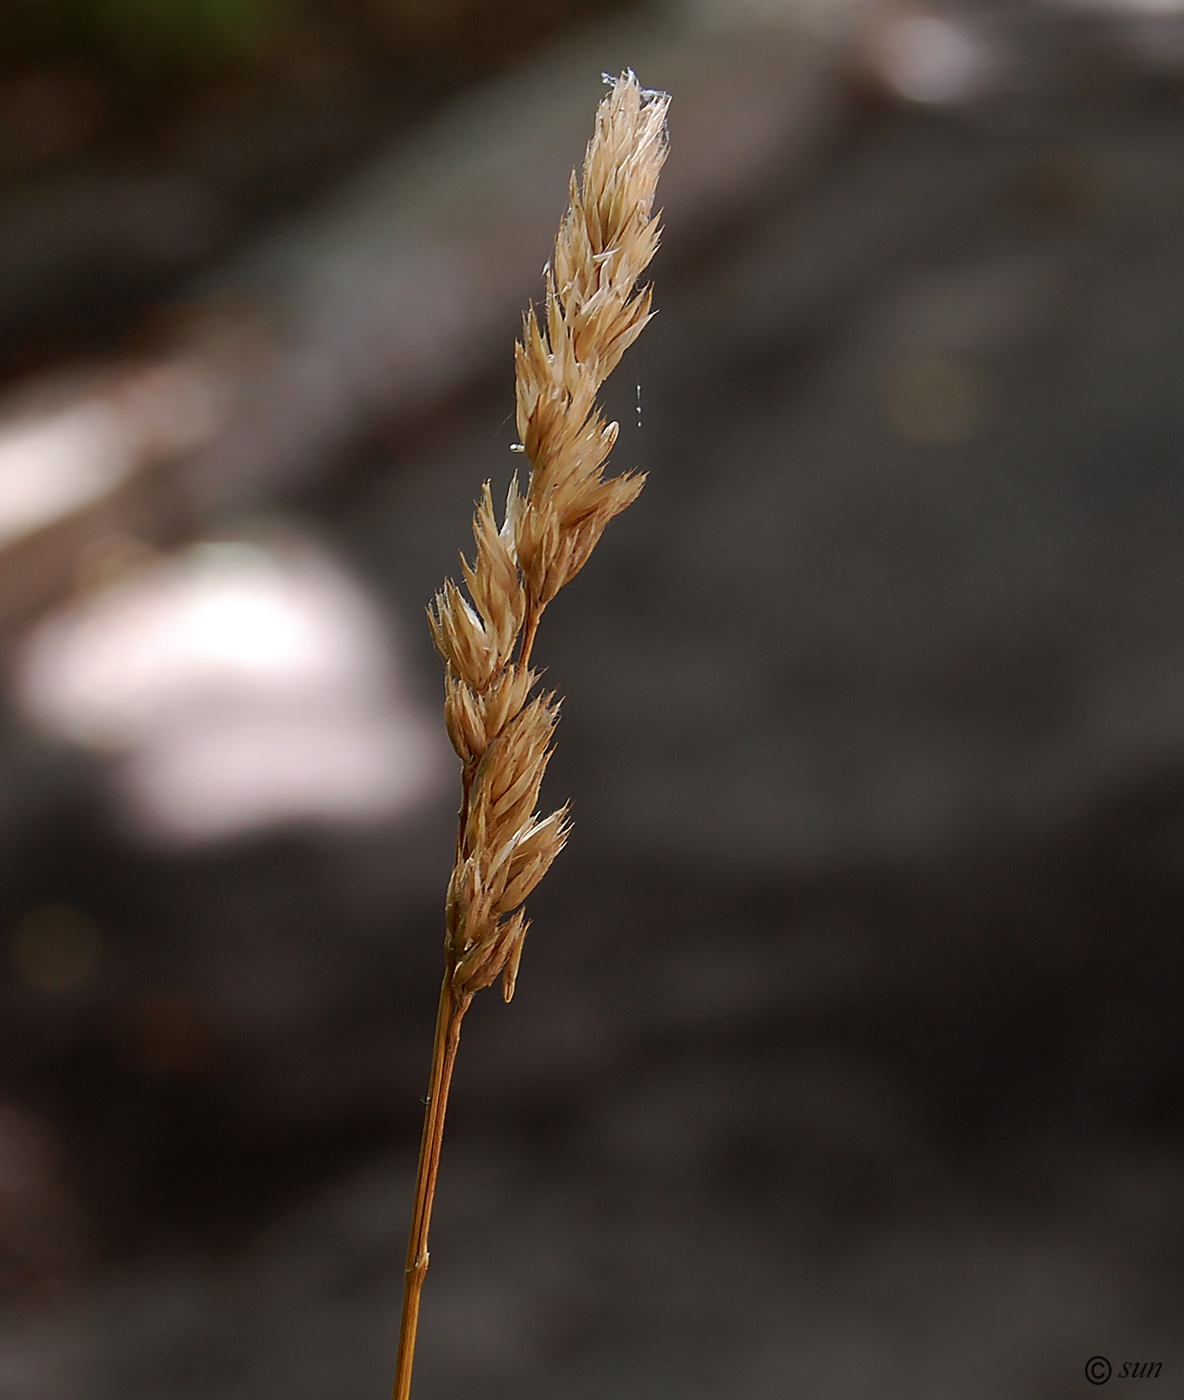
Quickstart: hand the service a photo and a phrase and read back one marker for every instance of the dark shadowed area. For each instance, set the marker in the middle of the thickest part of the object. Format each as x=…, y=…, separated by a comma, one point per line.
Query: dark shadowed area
x=847, y=1058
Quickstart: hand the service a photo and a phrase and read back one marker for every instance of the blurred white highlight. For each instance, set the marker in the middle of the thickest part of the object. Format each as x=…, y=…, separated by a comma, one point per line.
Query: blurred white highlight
x=65, y=458
x=53, y=466
x=239, y=686
x=927, y=59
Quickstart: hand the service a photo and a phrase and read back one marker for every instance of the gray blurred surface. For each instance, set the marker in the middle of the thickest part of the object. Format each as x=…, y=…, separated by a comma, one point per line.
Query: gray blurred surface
x=846, y=1060
x=409, y=282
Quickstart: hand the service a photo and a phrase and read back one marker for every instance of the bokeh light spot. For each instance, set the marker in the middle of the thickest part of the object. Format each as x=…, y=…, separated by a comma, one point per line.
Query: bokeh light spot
x=929, y=59
x=934, y=399
x=166, y=1033
x=56, y=947
x=236, y=685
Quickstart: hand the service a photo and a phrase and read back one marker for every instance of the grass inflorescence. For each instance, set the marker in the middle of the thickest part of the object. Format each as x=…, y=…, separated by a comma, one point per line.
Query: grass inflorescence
x=501, y=729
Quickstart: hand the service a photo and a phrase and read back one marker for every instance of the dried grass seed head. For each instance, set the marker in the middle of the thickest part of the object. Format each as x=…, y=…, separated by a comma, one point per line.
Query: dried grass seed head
x=591, y=316
x=593, y=312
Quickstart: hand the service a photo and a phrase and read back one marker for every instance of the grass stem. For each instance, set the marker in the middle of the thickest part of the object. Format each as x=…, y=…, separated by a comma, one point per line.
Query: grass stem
x=448, y=1018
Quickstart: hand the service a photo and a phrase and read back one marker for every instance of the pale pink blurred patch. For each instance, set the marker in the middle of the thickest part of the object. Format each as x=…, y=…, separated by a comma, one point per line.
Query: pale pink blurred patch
x=64, y=456
x=238, y=685
x=930, y=58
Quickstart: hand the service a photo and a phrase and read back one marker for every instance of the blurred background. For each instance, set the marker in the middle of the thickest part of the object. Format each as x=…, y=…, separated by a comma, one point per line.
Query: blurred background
x=847, y=1058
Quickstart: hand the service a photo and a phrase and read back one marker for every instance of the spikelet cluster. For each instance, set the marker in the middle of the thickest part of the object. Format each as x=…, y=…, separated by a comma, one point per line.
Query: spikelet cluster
x=593, y=312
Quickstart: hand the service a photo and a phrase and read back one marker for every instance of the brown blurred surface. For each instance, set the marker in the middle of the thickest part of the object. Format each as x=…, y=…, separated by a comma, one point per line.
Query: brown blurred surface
x=140, y=143
x=846, y=1059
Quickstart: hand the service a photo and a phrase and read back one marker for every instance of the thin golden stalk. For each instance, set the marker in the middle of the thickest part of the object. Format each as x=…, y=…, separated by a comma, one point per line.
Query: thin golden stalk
x=448, y=1020
x=592, y=314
